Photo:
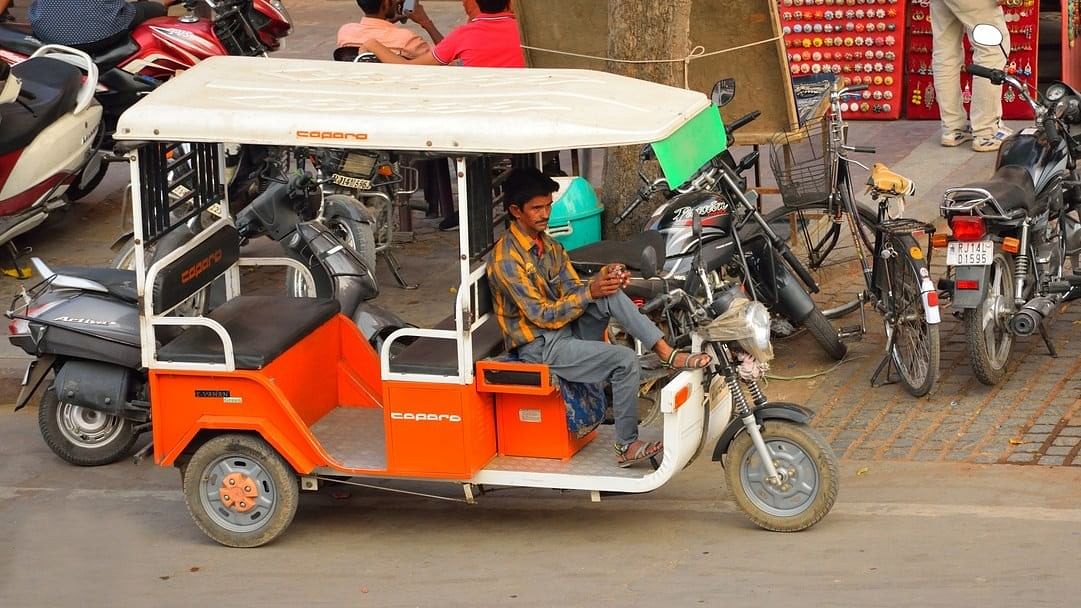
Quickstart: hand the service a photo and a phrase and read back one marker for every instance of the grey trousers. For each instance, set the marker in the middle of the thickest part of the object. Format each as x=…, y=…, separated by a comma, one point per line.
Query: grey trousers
x=576, y=353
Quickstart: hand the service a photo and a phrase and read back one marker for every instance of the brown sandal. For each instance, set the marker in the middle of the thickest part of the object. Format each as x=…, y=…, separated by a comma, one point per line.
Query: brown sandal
x=637, y=451
x=692, y=362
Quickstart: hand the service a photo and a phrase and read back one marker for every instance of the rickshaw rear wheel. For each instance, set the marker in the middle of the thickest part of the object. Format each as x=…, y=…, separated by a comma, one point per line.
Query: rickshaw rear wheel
x=809, y=477
x=82, y=436
x=239, y=491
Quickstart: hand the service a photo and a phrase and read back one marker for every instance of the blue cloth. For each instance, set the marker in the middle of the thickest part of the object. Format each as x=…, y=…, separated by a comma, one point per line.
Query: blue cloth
x=79, y=21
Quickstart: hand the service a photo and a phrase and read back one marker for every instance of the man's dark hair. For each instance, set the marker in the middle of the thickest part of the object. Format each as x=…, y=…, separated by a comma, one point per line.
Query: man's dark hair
x=525, y=183
x=493, y=6
x=370, y=7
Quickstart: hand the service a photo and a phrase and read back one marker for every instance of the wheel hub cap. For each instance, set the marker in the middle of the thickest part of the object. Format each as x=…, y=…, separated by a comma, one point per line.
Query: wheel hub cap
x=238, y=492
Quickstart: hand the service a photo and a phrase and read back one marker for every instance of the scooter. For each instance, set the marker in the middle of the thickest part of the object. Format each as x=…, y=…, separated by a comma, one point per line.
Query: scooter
x=48, y=123
x=83, y=324
x=158, y=49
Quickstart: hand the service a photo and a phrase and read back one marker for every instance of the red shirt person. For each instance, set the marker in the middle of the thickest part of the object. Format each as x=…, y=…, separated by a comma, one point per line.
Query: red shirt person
x=491, y=41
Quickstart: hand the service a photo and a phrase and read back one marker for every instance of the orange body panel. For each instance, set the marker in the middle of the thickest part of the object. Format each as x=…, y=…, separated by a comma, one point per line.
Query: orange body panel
x=279, y=401
x=438, y=430
x=535, y=426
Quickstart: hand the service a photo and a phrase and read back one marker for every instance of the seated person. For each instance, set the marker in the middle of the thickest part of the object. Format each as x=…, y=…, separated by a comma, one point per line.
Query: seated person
x=548, y=315
x=90, y=25
x=488, y=41
x=376, y=26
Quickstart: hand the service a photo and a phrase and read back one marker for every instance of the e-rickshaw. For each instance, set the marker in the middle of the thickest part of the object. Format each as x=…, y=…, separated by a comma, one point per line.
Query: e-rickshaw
x=268, y=396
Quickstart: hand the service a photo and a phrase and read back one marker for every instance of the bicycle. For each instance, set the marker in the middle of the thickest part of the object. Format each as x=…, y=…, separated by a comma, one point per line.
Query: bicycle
x=811, y=167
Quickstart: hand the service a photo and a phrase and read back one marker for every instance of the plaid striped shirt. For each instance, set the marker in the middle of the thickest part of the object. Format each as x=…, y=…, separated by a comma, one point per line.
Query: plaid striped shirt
x=533, y=290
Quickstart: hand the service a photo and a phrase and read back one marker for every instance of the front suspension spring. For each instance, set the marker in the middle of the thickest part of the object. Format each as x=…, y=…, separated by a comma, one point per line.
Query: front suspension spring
x=756, y=392
x=737, y=396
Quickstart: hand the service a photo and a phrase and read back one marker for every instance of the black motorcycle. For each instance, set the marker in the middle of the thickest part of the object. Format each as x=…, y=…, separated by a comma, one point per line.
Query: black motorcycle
x=732, y=225
x=1012, y=234
x=83, y=325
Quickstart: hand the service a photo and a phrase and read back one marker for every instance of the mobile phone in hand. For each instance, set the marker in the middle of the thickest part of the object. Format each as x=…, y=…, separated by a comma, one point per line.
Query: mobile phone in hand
x=408, y=6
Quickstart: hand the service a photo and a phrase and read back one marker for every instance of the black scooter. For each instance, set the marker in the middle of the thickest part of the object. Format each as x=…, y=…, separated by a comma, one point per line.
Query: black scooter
x=83, y=325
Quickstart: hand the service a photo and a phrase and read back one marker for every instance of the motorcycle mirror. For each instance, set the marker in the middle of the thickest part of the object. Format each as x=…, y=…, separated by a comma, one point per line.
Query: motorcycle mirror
x=648, y=267
x=723, y=92
x=747, y=162
x=985, y=34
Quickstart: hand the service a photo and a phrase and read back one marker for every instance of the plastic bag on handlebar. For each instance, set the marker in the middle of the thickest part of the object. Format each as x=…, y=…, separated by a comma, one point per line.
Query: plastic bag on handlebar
x=746, y=323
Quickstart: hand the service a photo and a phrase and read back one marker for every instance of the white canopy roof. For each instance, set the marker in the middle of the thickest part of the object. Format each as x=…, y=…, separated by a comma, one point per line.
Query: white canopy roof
x=302, y=102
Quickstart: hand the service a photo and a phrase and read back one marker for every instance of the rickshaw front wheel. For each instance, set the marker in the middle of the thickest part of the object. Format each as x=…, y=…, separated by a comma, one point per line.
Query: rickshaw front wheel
x=239, y=491
x=808, y=473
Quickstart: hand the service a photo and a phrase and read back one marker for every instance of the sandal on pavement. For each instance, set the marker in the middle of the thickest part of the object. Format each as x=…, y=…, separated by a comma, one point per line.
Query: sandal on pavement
x=690, y=361
x=637, y=451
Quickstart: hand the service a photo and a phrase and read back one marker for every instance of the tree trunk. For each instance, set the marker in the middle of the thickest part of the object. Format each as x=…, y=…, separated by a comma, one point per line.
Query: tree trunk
x=640, y=31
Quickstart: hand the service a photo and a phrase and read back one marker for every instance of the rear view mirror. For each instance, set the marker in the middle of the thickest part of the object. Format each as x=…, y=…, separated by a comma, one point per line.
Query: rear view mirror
x=648, y=267
x=986, y=34
x=723, y=92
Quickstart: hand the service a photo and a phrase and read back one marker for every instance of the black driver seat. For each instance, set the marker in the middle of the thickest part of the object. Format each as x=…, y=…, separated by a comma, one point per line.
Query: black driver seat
x=1012, y=188
x=23, y=42
x=49, y=89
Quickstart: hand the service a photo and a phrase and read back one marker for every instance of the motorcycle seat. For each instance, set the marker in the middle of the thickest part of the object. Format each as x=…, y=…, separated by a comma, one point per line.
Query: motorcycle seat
x=119, y=283
x=1011, y=186
x=589, y=259
x=261, y=328
x=18, y=40
x=22, y=41
x=49, y=89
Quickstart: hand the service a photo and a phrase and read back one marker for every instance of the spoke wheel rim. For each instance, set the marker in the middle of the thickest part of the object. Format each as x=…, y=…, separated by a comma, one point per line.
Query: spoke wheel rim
x=993, y=313
x=238, y=493
x=799, y=479
x=909, y=330
x=87, y=428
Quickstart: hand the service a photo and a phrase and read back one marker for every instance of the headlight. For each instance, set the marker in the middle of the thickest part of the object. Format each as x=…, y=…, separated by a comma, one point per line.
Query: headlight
x=756, y=317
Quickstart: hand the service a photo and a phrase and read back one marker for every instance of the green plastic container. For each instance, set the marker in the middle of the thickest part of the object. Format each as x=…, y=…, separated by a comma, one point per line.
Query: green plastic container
x=576, y=213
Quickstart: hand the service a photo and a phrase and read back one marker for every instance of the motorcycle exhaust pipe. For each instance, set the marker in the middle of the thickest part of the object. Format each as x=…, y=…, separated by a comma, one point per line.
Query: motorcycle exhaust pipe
x=1027, y=320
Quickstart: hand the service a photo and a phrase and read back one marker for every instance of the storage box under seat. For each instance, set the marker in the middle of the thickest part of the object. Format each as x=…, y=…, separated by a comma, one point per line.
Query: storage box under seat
x=538, y=415
x=576, y=213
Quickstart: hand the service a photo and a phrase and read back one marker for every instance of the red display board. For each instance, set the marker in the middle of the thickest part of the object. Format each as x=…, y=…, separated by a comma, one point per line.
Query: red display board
x=1022, y=19
x=862, y=41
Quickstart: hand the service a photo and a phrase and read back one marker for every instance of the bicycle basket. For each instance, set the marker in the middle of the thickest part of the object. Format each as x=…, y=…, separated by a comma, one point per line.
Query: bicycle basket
x=802, y=164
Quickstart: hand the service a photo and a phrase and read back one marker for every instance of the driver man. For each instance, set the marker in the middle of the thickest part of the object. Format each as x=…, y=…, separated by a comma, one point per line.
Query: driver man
x=549, y=315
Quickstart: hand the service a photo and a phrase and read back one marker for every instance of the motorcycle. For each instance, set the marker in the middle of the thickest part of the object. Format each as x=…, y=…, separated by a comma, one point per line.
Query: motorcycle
x=82, y=324
x=158, y=49
x=48, y=122
x=1013, y=234
x=733, y=230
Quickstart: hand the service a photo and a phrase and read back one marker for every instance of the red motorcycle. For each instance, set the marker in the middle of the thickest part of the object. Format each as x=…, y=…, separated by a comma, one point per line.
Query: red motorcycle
x=159, y=48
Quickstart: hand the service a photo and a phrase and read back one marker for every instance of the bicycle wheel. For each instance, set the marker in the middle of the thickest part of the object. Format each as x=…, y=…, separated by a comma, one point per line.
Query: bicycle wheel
x=915, y=342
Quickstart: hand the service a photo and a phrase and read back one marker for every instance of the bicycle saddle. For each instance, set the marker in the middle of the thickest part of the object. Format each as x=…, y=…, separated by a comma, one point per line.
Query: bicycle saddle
x=887, y=182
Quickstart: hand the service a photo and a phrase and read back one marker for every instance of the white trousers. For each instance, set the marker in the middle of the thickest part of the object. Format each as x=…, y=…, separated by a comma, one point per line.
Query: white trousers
x=950, y=20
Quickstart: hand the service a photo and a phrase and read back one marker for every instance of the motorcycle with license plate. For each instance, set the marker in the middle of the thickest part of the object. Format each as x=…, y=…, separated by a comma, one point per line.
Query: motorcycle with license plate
x=734, y=231
x=157, y=50
x=1016, y=238
x=48, y=122
x=82, y=324
x=252, y=416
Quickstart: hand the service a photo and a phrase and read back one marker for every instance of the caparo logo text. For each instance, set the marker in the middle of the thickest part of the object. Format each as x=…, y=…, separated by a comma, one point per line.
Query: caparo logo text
x=332, y=135
x=200, y=267
x=422, y=417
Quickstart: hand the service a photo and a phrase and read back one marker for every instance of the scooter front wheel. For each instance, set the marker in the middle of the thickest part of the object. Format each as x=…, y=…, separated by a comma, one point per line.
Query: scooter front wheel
x=82, y=436
x=239, y=491
x=807, y=471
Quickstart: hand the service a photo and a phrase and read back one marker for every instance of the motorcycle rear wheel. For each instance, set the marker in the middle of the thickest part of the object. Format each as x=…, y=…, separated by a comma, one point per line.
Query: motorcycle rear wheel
x=989, y=340
x=810, y=479
x=82, y=436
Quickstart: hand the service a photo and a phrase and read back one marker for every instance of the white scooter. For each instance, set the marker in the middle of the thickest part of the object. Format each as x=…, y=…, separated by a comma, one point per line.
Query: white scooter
x=49, y=122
